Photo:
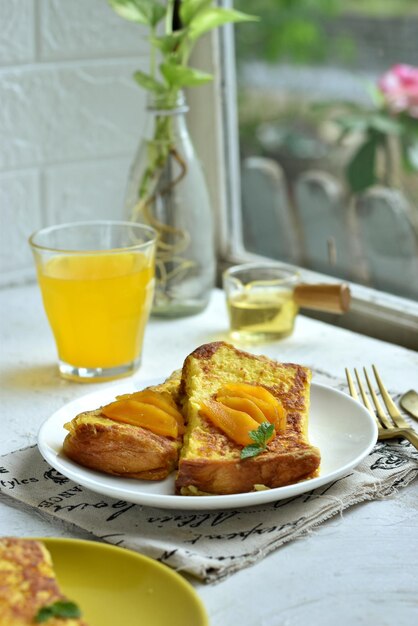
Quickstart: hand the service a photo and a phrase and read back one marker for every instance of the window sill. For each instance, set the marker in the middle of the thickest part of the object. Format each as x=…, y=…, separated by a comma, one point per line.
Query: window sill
x=373, y=313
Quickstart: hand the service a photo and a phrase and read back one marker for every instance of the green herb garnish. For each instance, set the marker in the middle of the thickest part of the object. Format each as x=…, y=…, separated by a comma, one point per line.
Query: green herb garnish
x=61, y=608
x=260, y=436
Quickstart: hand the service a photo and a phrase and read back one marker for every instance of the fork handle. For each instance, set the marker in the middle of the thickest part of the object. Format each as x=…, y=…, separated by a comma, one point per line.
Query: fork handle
x=401, y=433
x=412, y=437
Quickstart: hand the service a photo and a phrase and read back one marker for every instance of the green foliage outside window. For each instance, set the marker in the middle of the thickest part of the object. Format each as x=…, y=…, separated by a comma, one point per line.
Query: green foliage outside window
x=292, y=30
x=295, y=30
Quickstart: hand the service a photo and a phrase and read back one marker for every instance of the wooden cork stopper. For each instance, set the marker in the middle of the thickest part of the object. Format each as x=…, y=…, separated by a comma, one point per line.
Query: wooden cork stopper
x=323, y=297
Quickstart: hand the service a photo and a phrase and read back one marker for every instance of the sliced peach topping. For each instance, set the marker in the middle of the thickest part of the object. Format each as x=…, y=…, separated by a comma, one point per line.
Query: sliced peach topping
x=243, y=404
x=240, y=408
x=271, y=407
x=137, y=413
x=162, y=400
x=235, y=424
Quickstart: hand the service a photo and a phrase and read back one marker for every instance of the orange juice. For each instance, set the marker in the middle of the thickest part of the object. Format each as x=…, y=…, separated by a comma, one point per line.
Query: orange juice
x=98, y=305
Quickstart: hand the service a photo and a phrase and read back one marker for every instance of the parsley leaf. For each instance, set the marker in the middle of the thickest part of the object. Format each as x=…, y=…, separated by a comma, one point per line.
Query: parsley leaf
x=60, y=608
x=253, y=449
x=262, y=434
x=261, y=437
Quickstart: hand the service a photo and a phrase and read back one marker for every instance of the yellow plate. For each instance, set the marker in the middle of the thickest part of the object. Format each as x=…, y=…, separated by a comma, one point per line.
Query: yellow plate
x=116, y=586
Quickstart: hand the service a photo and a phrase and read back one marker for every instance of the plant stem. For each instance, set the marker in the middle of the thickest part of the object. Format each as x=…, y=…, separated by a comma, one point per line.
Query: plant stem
x=169, y=17
x=152, y=53
x=387, y=173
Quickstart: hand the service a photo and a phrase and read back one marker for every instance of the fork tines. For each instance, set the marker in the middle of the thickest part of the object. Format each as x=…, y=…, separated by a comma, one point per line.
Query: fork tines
x=396, y=421
x=391, y=425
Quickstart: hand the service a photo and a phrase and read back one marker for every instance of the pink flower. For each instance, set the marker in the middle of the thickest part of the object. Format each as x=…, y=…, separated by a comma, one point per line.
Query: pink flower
x=399, y=85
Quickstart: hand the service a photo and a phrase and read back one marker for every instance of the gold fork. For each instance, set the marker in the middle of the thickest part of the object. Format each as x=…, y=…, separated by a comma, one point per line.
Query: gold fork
x=389, y=426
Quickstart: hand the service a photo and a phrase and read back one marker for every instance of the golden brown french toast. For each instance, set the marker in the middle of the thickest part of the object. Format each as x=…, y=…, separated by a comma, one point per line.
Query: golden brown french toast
x=225, y=395
x=210, y=461
x=28, y=584
x=110, y=445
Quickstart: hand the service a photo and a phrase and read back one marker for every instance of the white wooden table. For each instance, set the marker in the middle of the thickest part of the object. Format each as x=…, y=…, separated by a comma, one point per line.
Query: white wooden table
x=361, y=568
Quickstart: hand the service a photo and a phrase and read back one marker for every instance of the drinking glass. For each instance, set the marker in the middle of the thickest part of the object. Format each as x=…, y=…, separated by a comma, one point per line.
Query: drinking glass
x=97, y=285
x=260, y=301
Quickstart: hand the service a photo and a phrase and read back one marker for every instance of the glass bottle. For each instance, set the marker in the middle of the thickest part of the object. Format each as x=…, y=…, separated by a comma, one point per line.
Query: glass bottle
x=167, y=190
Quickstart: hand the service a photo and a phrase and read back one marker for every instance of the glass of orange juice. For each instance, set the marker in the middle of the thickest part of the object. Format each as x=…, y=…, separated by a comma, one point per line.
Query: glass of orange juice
x=97, y=285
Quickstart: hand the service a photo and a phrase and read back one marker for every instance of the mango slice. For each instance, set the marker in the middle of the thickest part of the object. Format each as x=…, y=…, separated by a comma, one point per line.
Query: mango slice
x=243, y=404
x=161, y=400
x=266, y=402
x=235, y=424
x=138, y=413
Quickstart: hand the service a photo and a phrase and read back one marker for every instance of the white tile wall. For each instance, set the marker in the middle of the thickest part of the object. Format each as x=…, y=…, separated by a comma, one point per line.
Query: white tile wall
x=70, y=117
x=74, y=29
x=58, y=112
x=17, y=35
x=85, y=190
x=20, y=214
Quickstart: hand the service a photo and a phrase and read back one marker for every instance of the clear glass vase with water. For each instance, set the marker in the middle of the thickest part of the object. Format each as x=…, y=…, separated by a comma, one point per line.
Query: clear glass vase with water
x=167, y=190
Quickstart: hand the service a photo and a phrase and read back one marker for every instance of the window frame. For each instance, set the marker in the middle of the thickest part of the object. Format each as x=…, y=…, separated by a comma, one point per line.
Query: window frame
x=374, y=313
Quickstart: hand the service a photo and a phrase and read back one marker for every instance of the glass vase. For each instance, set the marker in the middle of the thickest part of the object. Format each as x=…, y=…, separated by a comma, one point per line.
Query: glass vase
x=167, y=190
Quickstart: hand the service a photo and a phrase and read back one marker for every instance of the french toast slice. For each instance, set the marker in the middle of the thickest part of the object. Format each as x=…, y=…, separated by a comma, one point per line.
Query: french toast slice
x=123, y=449
x=28, y=584
x=210, y=462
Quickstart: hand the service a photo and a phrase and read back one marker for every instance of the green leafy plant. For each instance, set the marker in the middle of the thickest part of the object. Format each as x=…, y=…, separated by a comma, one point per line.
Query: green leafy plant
x=388, y=129
x=61, y=608
x=173, y=27
x=293, y=30
x=261, y=436
x=183, y=23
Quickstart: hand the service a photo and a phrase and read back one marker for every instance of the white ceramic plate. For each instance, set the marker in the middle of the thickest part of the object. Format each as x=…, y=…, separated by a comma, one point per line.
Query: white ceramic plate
x=341, y=428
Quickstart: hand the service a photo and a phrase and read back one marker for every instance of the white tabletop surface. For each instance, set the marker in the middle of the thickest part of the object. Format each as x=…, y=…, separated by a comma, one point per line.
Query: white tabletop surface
x=359, y=568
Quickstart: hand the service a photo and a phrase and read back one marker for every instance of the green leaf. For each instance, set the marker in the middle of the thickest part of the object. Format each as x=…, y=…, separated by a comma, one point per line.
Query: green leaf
x=168, y=43
x=353, y=123
x=157, y=13
x=212, y=17
x=61, y=608
x=148, y=82
x=361, y=169
x=261, y=437
x=262, y=434
x=385, y=124
x=180, y=76
x=410, y=124
x=190, y=8
x=410, y=154
x=326, y=106
x=139, y=11
x=253, y=449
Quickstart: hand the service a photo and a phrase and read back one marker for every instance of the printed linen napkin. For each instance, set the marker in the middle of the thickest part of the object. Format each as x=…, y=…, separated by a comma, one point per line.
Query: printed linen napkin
x=206, y=544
